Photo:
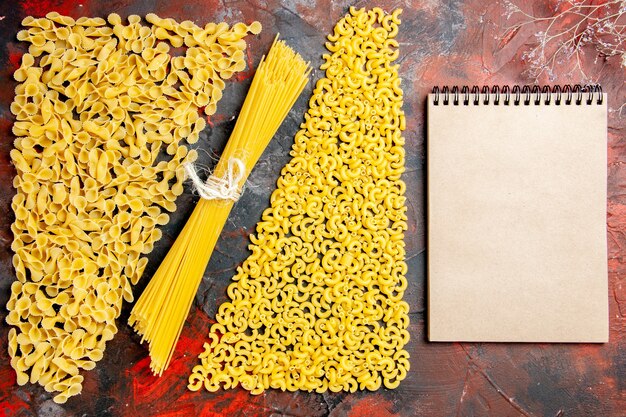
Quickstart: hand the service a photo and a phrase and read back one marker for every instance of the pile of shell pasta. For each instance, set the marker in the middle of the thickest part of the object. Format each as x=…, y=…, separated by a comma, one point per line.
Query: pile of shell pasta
x=103, y=114
x=318, y=305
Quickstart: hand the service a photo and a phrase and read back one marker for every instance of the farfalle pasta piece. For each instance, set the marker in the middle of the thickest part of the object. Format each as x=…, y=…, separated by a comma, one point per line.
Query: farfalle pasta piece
x=318, y=305
x=102, y=117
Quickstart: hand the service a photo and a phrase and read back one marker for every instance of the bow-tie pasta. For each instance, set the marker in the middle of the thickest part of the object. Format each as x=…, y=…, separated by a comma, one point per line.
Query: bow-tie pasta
x=104, y=111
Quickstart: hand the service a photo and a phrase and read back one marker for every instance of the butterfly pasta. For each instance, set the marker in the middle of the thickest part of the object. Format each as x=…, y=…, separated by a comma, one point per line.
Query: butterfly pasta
x=104, y=114
x=318, y=304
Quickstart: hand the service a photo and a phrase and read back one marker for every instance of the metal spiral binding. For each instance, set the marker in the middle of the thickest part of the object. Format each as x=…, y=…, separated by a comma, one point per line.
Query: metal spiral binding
x=517, y=95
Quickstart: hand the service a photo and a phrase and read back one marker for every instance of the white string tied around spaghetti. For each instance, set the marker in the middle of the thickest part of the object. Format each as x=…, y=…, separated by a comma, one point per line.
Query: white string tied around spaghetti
x=219, y=188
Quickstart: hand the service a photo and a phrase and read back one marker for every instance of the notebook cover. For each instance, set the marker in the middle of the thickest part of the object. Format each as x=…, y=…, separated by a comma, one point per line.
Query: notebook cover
x=517, y=248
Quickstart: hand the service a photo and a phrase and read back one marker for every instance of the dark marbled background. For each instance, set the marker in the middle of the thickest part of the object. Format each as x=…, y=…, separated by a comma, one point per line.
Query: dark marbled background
x=442, y=42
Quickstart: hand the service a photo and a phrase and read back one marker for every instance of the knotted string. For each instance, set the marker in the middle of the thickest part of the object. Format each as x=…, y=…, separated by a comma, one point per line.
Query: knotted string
x=219, y=188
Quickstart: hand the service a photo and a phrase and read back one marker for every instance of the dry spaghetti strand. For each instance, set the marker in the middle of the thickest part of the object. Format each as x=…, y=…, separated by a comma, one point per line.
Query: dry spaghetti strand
x=161, y=310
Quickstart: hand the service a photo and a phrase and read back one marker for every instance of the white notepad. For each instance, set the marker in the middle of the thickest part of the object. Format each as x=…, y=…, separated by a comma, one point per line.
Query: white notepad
x=517, y=218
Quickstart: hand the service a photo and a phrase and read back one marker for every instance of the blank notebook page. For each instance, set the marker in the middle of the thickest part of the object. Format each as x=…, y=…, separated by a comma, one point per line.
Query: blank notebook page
x=517, y=222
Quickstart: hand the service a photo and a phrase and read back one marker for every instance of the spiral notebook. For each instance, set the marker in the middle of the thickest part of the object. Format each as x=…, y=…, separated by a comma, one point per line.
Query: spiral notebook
x=517, y=246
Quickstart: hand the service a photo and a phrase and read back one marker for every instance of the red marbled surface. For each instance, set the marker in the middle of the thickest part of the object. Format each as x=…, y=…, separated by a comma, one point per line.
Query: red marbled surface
x=447, y=42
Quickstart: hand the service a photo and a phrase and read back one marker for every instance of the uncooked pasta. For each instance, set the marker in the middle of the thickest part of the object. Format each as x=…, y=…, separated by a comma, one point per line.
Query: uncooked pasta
x=318, y=304
x=160, y=312
x=103, y=112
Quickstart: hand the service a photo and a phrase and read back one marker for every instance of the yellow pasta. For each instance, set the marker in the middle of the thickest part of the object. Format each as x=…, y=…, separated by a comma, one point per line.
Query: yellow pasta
x=102, y=117
x=160, y=312
x=318, y=304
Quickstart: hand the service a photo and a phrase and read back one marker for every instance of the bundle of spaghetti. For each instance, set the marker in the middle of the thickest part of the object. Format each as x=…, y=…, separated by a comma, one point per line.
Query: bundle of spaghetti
x=160, y=312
